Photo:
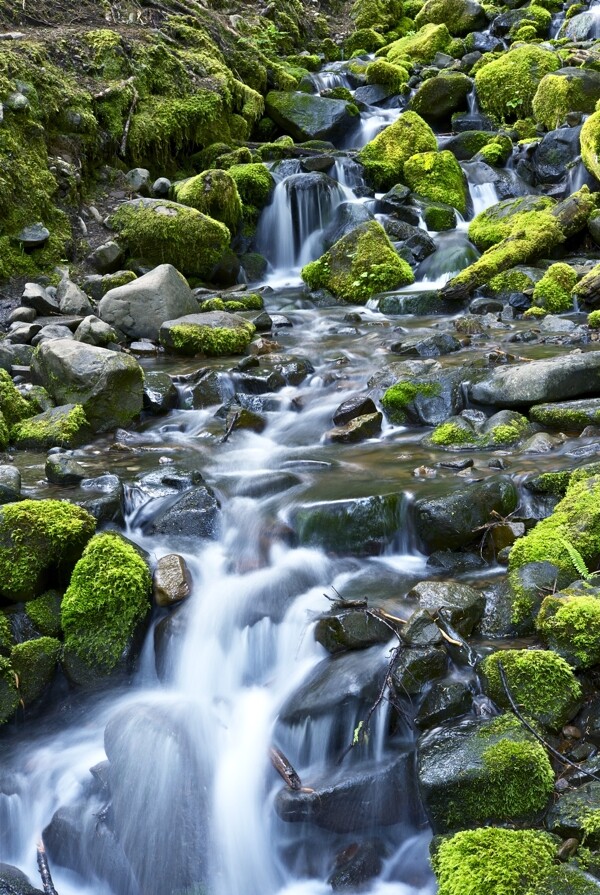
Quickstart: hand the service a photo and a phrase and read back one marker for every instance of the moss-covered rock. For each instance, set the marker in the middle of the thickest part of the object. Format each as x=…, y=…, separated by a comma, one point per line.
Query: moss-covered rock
x=65, y=426
x=215, y=333
x=459, y=16
x=44, y=613
x=540, y=682
x=108, y=598
x=255, y=184
x=437, y=98
x=514, y=280
x=168, y=233
x=362, y=526
x=400, y=396
x=566, y=90
x=569, y=622
x=568, y=416
x=500, y=220
x=360, y=265
x=491, y=861
x=553, y=291
x=473, y=773
x=9, y=697
x=215, y=194
x=13, y=405
x=590, y=144
x=364, y=40
x=384, y=157
x=40, y=541
x=575, y=523
x=506, y=86
x=34, y=663
x=421, y=47
x=577, y=814
x=379, y=14
x=387, y=74
x=439, y=177
x=505, y=428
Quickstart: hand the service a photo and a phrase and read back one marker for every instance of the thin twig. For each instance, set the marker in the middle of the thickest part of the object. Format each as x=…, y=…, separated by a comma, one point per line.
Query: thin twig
x=230, y=427
x=554, y=752
x=42, y=861
x=285, y=769
x=123, y=146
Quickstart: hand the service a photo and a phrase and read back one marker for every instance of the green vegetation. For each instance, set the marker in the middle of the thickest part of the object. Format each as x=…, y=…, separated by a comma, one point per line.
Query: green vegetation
x=420, y=47
x=213, y=341
x=505, y=218
x=107, y=598
x=439, y=177
x=51, y=429
x=215, y=194
x=590, y=144
x=569, y=623
x=553, y=291
x=44, y=613
x=34, y=663
x=397, y=398
x=506, y=86
x=9, y=697
x=384, y=157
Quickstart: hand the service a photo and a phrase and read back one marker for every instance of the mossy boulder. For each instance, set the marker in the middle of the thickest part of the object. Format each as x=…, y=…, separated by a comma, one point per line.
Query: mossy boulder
x=215, y=194
x=507, y=427
x=108, y=385
x=568, y=416
x=34, y=662
x=459, y=16
x=574, y=525
x=420, y=47
x=492, y=861
x=13, y=405
x=576, y=814
x=382, y=15
x=40, y=542
x=553, y=291
x=44, y=613
x=255, y=184
x=358, y=266
x=540, y=682
x=565, y=90
x=107, y=601
x=9, y=697
x=474, y=773
x=439, y=177
x=569, y=623
x=365, y=40
x=506, y=86
x=307, y=117
x=437, y=98
x=215, y=333
x=164, y=232
x=384, y=157
x=590, y=144
x=387, y=75
x=64, y=426
x=500, y=220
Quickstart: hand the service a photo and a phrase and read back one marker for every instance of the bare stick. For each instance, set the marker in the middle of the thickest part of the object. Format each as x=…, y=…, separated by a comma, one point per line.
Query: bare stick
x=554, y=752
x=42, y=860
x=123, y=147
x=285, y=769
x=230, y=427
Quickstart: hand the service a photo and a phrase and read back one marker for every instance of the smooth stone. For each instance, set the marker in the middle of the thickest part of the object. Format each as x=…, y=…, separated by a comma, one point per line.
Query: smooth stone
x=33, y=237
x=356, y=430
x=50, y=332
x=93, y=331
x=416, y=667
x=349, y=629
x=22, y=315
x=552, y=379
x=63, y=469
x=196, y=514
x=462, y=605
x=106, y=258
x=72, y=299
x=354, y=407
x=36, y=297
x=445, y=700
x=160, y=393
x=10, y=484
x=172, y=581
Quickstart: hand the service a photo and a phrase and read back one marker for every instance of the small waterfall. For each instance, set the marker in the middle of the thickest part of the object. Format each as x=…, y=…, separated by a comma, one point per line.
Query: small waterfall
x=473, y=102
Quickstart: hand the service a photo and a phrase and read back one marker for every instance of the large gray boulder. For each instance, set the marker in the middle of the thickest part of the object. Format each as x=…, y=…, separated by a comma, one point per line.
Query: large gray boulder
x=307, y=117
x=108, y=384
x=138, y=309
x=553, y=379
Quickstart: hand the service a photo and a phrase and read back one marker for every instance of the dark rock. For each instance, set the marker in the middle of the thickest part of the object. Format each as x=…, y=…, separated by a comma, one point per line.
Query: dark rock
x=363, y=526
x=106, y=497
x=160, y=394
x=33, y=237
x=428, y=346
x=445, y=700
x=351, y=629
x=36, y=297
x=349, y=409
x=356, y=865
x=570, y=814
x=463, y=606
x=416, y=667
x=420, y=630
x=10, y=484
x=63, y=469
x=551, y=379
x=556, y=151
x=14, y=882
x=306, y=117
x=195, y=514
x=356, y=430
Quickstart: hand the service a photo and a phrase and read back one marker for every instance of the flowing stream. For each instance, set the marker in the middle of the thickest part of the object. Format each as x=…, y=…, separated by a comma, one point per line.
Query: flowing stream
x=240, y=655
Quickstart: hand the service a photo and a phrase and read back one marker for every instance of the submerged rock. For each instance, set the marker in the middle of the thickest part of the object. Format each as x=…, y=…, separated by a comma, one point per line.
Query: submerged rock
x=363, y=526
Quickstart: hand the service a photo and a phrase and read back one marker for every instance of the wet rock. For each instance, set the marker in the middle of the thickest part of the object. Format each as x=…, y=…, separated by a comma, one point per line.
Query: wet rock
x=72, y=299
x=108, y=385
x=106, y=258
x=10, y=484
x=306, y=117
x=350, y=629
x=568, y=416
x=63, y=426
x=571, y=813
x=63, y=469
x=445, y=700
x=172, y=581
x=105, y=500
x=429, y=346
x=215, y=333
x=551, y=379
x=555, y=153
x=346, y=217
x=463, y=606
x=454, y=520
x=350, y=800
x=346, y=680
x=351, y=408
x=421, y=630
x=265, y=484
x=14, y=882
x=196, y=514
x=93, y=331
x=168, y=637
x=540, y=443
x=474, y=773
x=437, y=98
x=427, y=400
x=212, y=387
x=169, y=795
x=138, y=309
x=160, y=394
x=37, y=297
x=416, y=667
x=358, y=429
x=356, y=865
x=242, y=418
x=362, y=526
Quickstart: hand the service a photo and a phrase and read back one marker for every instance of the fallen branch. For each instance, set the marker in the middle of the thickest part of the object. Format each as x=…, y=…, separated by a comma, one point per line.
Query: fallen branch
x=230, y=427
x=42, y=861
x=123, y=146
x=112, y=90
x=285, y=769
x=554, y=752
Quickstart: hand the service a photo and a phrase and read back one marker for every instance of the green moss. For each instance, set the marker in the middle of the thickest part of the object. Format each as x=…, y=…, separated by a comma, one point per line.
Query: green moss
x=44, y=613
x=586, y=286
x=9, y=698
x=593, y=320
x=13, y=405
x=255, y=184
x=6, y=636
x=553, y=291
x=422, y=46
x=553, y=483
x=496, y=152
x=439, y=177
x=570, y=625
x=499, y=221
x=379, y=14
x=384, y=157
x=39, y=539
x=508, y=433
x=492, y=861
x=4, y=434
x=556, y=96
x=506, y=86
x=34, y=662
x=534, y=313
x=359, y=265
x=541, y=682
x=215, y=194
x=365, y=40
x=193, y=339
x=510, y=281
x=450, y=434
x=389, y=75
x=575, y=520
x=396, y=399
x=52, y=429
x=107, y=598
x=165, y=232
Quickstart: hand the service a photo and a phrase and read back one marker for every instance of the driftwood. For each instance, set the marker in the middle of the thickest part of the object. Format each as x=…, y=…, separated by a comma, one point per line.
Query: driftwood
x=42, y=861
x=570, y=215
x=285, y=769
